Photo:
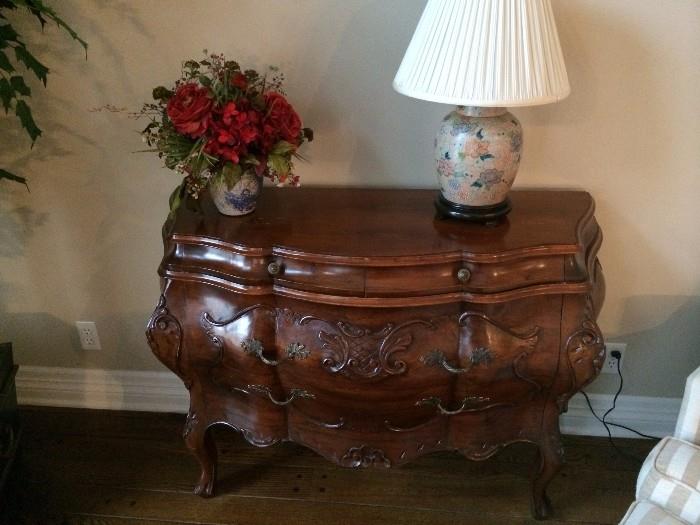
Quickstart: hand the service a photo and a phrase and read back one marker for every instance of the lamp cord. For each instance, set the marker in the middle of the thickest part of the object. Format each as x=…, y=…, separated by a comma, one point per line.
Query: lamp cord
x=608, y=424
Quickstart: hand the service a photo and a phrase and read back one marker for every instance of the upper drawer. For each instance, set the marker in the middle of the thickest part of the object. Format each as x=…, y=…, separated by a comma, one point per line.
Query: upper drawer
x=321, y=277
x=408, y=278
x=261, y=271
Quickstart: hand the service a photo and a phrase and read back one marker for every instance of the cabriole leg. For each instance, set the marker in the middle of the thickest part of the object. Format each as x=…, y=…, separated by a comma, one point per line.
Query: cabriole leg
x=200, y=442
x=550, y=459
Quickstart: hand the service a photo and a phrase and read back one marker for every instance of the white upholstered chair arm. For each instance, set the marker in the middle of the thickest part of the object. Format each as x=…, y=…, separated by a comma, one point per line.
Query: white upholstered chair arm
x=688, y=425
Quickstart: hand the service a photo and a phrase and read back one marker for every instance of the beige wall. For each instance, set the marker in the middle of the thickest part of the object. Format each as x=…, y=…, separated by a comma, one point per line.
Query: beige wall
x=85, y=243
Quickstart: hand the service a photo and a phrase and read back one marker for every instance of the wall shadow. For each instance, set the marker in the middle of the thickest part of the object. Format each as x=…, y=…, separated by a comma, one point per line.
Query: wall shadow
x=663, y=352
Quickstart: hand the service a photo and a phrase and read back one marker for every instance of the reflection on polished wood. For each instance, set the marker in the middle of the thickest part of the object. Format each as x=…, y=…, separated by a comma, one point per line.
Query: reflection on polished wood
x=408, y=334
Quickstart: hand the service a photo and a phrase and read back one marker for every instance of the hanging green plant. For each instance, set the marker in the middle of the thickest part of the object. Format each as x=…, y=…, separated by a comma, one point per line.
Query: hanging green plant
x=14, y=91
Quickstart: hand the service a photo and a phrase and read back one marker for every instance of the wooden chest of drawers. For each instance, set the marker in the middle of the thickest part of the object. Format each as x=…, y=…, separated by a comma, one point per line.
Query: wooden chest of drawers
x=353, y=322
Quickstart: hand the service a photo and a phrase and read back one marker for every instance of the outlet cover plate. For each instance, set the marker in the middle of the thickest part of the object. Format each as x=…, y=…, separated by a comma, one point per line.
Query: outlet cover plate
x=610, y=363
x=89, y=339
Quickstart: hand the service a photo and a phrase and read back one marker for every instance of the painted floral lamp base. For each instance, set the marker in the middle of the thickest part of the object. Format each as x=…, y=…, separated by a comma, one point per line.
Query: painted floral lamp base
x=477, y=154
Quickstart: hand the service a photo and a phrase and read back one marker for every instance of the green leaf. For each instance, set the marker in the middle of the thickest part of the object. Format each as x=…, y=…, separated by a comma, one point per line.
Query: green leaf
x=6, y=93
x=8, y=4
x=11, y=176
x=37, y=13
x=19, y=86
x=278, y=164
x=41, y=11
x=5, y=63
x=39, y=69
x=205, y=81
x=151, y=125
x=25, y=116
x=162, y=93
x=176, y=197
x=250, y=159
x=282, y=148
x=8, y=34
x=231, y=174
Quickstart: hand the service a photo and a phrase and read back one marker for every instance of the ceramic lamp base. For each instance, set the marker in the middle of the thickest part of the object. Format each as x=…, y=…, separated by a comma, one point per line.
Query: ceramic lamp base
x=477, y=153
x=485, y=214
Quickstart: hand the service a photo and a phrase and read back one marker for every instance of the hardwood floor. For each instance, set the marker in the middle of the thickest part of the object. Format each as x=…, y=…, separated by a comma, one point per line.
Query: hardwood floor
x=108, y=468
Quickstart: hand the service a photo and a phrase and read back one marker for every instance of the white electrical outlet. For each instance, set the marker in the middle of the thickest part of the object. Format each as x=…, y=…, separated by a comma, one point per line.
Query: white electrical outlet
x=610, y=364
x=87, y=331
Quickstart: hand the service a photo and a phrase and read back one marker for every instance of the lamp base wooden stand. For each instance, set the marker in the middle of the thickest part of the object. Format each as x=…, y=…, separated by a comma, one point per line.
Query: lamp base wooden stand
x=352, y=322
x=481, y=214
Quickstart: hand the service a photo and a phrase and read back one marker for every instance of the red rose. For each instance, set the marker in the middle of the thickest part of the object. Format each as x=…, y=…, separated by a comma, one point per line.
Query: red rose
x=231, y=130
x=189, y=109
x=281, y=122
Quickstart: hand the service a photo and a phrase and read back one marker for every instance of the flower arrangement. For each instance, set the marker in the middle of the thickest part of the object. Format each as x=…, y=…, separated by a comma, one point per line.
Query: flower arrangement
x=219, y=122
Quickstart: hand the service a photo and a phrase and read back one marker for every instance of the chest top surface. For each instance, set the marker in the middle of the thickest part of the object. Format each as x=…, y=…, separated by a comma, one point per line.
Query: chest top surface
x=379, y=243
x=388, y=223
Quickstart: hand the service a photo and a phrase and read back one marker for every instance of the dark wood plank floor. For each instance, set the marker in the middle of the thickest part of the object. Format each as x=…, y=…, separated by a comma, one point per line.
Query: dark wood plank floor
x=100, y=467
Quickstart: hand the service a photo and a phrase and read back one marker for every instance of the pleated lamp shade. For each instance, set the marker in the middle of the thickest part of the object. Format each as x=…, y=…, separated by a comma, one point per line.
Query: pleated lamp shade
x=485, y=53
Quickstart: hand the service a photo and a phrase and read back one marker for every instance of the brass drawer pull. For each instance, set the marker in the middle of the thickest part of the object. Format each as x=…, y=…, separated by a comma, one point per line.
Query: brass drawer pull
x=437, y=358
x=255, y=347
x=481, y=355
x=274, y=268
x=294, y=393
x=463, y=275
x=469, y=404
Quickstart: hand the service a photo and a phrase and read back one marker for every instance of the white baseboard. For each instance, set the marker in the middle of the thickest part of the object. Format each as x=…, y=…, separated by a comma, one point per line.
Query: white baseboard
x=654, y=416
x=164, y=392
x=101, y=389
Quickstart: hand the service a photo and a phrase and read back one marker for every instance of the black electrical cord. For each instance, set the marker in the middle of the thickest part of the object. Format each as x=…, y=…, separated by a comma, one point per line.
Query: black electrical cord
x=608, y=424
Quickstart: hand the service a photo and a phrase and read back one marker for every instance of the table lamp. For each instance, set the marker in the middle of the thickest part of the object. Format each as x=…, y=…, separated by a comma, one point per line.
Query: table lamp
x=482, y=56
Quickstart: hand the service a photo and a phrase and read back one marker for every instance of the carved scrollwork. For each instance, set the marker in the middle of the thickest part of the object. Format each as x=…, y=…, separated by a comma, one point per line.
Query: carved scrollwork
x=501, y=337
x=207, y=324
x=251, y=437
x=363, y=457
x=251, y=345
x=164, y=335
x=389, y=426
x=257, y=441
x=503, y=342
x=190, y=424
x=331, y=426
x=265, y=391
x=486, y=450
x=360, y=352
x=585, y=349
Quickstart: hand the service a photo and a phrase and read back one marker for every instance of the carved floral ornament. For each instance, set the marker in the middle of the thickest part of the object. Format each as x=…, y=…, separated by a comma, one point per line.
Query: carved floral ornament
x=356, y=351
x=585, y=349
x=363, y=457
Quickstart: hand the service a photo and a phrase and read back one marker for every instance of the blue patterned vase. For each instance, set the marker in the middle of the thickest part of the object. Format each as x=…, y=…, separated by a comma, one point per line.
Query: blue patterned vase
x=477, y=154
x=239, y=199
